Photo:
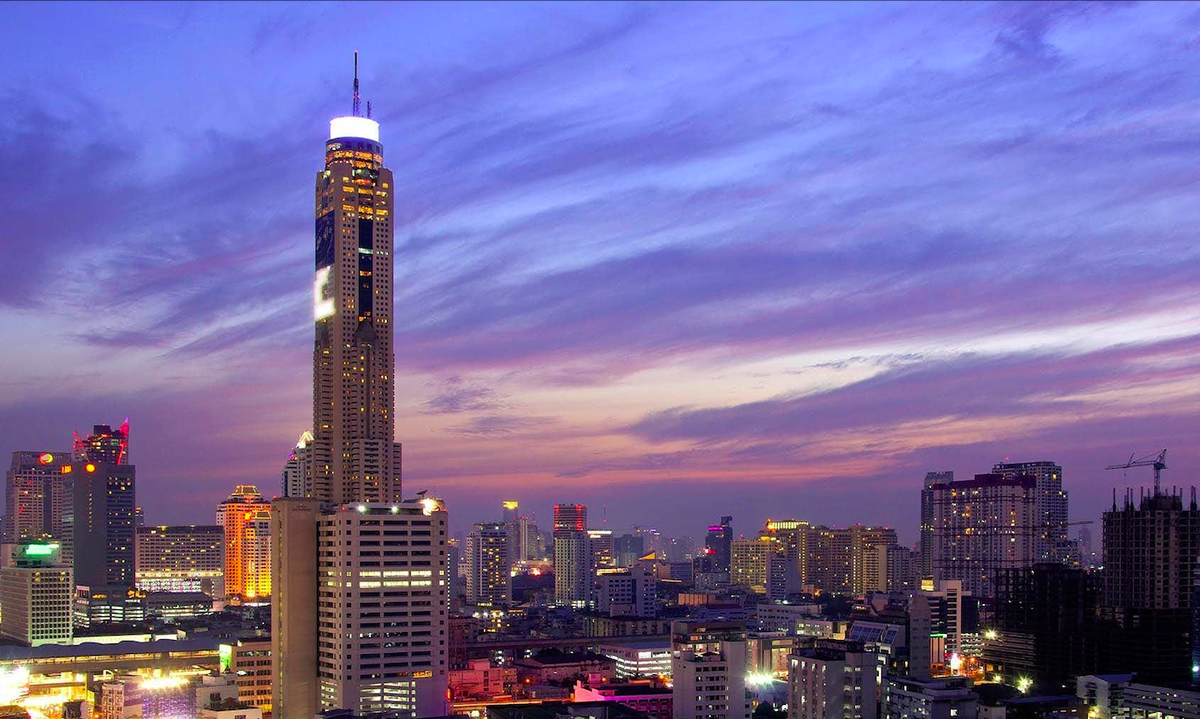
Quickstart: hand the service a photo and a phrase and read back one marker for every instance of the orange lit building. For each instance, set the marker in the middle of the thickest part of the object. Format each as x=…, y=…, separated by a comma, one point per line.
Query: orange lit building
x=246, y=517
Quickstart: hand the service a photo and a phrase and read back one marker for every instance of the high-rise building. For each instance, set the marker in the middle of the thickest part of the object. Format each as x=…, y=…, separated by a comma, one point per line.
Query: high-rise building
x=1150, y=554
x=180, y=559
x=783, y=579
x=720, y=541
x=932, y=480
x=33, y=495
x=890, y=568
x=981, y=526
x=510, y=515
x=354, y=456
x=572, y=555
x=489, y=576
x=373, y=637
x=749, y=559
x=245, y=517
x=99, y=503
x=833, y=680
x=1050, y=541
x=708, y=670
x=297, y=471
x=36, y=591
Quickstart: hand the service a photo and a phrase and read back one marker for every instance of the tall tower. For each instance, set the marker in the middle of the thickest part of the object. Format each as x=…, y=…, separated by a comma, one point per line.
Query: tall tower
x=354, y=458
x=359, y=576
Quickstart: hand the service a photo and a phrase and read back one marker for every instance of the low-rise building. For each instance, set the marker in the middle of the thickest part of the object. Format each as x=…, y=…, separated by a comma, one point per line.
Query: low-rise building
x=1147, y=701
x=648, y=658
x=645, y=696
x=943, y=698
x=1104, y=694
x=250, y=662
x=552, y=667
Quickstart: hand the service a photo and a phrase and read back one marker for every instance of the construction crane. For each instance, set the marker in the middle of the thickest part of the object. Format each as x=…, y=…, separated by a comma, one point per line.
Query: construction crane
x=1158, y=461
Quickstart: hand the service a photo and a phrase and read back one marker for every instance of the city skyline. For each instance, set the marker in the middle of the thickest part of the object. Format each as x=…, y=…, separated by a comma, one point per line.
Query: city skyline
x=820, y=299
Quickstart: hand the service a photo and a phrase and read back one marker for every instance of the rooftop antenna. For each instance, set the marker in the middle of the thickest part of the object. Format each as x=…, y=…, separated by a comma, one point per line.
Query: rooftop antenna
x=368, y=109
x=356, y=110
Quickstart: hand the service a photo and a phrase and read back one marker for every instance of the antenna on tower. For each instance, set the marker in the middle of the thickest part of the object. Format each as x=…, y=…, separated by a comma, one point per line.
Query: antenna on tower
x=368, y=109
x=356, y=111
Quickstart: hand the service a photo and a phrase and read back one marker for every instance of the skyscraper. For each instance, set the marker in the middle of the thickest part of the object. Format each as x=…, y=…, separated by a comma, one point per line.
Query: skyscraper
x=33, y=495
x=1050, y=542
x=981, y=526
x=180, y=559
x=1150, y=555
x=36, y=591
x=932, y=480
x=720, y=541
x=245, y=516
x=572, y=555
x=489, y=575
x=99, y=503
x=354, y=457
x=359, y=607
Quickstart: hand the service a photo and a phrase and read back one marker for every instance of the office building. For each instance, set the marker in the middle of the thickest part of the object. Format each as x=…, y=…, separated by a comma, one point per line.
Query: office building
x=99, y=503
x=249, y=662
x=949, y=617
x=489, y=576
x=833, y=679
x=1150, y=554
x=104, y=445
x=572, y=556
x=941, y=698
x=708, y=670
x=373, y=638
x=246, y=519
x=600, y=545
x=720, y=541
x=510, y=516
x=297, y=476
x=180, y=559
x=628, y=592
x=981, y=526
x=37, y=591
x=33, y=495
x=925, y=549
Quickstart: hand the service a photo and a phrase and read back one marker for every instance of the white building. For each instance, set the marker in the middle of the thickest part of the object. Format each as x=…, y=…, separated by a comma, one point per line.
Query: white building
x=646, y=658
x=943, y=698
x=834, y=680
x=37, y=593
x=785, y=617
x=708, y=670
x=1104, y=694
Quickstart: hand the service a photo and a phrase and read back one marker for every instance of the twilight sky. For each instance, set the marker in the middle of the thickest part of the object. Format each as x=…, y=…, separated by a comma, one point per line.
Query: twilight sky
x=681, y=260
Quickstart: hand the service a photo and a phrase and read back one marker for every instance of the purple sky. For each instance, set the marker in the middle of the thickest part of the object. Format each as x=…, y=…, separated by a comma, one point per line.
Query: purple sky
x=681, y=260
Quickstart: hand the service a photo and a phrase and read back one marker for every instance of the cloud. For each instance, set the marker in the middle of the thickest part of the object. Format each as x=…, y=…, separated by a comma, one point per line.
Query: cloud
x=456, y=395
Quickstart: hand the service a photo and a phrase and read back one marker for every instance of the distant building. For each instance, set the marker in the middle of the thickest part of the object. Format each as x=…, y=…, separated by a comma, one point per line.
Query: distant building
x=36, y=592
x=98, y=520
x=720, y=541
x=925, y=548
x=890, y=568
x=627, y=592
x=297, y=479
x=749, y=560
x=180, y=559
x=489, y=573
x=572, y=556
x=833, y=679
x=246, y=518
x=981, y=526
x=783, y=578
x=33, y=495
x=1103, y=694
x=708, y=670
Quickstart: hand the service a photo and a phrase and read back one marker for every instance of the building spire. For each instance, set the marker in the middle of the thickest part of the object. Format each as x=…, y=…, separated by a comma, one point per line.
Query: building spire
x=356, y=111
